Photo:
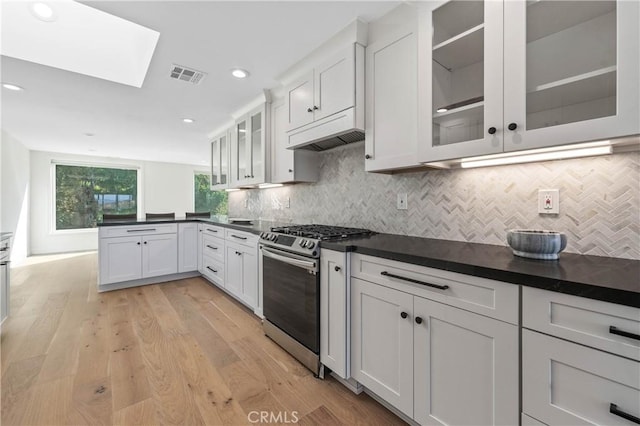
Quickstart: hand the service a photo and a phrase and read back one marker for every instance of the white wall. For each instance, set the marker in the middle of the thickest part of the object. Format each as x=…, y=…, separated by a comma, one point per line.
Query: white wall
x=14, y=205
x=163, y=187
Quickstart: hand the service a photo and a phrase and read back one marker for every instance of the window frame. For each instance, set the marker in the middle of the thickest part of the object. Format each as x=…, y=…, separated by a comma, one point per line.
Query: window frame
x=54, y=201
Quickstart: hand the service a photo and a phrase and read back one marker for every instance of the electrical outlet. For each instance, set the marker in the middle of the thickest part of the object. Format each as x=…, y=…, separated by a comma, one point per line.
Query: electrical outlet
x=288, y=203
x=401, y=204
x=548, y=201
x=246, y=203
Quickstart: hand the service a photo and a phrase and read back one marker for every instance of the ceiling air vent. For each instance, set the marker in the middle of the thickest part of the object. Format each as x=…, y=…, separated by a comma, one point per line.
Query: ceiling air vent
x=186, y=74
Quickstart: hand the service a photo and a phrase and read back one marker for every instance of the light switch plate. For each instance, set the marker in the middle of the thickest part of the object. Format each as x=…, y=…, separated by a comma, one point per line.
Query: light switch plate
x=549, y=201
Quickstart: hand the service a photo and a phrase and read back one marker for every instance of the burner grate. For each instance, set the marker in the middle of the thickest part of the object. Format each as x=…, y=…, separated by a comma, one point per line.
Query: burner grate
x=321, y=232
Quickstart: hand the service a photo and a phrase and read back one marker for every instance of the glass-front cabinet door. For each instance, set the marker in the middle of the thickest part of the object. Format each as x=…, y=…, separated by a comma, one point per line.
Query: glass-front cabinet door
x=460, y=79
x=220, y=162
x=249, y=149
x=571, y=71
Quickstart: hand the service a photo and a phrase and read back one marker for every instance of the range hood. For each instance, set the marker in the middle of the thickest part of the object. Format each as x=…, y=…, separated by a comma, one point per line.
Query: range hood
x=339, y=129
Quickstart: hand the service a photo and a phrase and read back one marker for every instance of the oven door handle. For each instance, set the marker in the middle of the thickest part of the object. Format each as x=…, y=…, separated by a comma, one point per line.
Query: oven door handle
x=306, y=264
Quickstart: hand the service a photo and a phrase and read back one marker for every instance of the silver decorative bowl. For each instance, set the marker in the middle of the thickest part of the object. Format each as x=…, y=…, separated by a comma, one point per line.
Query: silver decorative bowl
x=536, y=244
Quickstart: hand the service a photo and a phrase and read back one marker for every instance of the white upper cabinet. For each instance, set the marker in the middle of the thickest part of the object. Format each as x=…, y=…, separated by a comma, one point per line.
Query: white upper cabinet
x=249, y=148
x=391, y=126
x=327, y=89
x=507, y=76
x=288, y=165
x=220, y=150
x=572, y=72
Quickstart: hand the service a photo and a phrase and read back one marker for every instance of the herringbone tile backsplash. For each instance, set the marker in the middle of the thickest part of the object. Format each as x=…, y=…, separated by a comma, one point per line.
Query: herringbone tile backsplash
x=599, y=201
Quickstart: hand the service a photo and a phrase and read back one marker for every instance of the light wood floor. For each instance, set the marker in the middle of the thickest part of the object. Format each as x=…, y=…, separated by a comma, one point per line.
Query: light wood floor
x=176, y=353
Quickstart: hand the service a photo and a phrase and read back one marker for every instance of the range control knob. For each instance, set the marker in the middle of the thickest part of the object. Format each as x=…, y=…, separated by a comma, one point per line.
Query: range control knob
x=263, y=235
x=311, y=245
x=303, y=243
x=273, y=237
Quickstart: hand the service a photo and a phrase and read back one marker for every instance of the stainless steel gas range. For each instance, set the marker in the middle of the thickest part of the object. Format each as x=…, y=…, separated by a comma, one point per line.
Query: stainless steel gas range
x=291, y=286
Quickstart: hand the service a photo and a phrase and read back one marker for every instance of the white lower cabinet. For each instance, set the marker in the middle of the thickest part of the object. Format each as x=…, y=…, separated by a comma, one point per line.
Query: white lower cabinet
x=566, y=383
x=130, y=258
x=334, y=312
x=580, y=360
x=241, y=266
x=465, y=367
x=435, y=363
x=120, y=259
x=188, y=247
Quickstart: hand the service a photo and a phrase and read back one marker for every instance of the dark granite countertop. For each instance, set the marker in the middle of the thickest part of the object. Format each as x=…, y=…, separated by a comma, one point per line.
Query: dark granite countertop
x=255, y=227
x=603, y=278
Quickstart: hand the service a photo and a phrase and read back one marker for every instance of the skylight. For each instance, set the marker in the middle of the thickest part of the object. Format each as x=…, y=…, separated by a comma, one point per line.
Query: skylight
x=80, y=39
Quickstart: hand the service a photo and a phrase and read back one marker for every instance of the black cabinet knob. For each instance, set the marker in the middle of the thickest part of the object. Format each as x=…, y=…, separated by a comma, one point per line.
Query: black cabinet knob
x=309, y=110
x=403, y=314
x=418, y=320
x=290, y=170
x=492, y=130
x=337, y=268
x=145, y=242
x=138, y=243
x=315, y=108
x=512, y=126
x=367, y=157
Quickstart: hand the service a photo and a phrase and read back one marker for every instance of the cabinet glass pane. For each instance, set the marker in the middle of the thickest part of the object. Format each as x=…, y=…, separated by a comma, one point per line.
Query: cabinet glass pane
x=224, y=162
x=215, y=163
x=256, y=144
x=241, y=160
x=571, y=61
x=458, y=72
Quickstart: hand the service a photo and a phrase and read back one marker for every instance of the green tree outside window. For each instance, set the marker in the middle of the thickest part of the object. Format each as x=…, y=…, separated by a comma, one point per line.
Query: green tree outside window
x=207, y=200
x=84, y=194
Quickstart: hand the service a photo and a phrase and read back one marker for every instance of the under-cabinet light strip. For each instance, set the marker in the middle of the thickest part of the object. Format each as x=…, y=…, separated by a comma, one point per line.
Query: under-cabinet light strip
x=540, y=156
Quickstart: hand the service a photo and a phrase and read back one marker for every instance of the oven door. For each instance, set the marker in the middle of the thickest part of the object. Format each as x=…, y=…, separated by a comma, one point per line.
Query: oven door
x=291, y=295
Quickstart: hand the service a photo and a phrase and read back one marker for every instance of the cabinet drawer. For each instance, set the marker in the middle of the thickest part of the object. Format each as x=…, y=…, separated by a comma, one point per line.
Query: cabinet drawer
x=566, y=383
x=213, y=247
x=214, y=231
x=583, y=320
x=491, y=298
x=146, y=229
x=240, y=237
x=213, y=270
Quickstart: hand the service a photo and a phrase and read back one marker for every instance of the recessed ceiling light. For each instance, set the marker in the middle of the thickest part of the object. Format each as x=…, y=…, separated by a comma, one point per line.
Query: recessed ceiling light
x=188, y=120
x=43, y=12
x=12, y=87
x=239, y=73
x=89, y=134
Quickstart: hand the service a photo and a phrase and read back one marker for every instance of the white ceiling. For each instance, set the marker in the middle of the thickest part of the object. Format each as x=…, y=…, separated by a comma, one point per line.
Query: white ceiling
x=58, y=108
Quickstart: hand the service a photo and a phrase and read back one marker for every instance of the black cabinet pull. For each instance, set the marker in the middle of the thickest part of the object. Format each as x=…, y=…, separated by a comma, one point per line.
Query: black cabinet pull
x=141, y=230
x=212, y=247
x=212, y=270
x=492, y=130
x=212, y=230
x=512, y=126
x=337, y=268
x=4, y=263
x=411, y=280
x=615, y=330
x=238, y=237
x=4, y=248
x=418, y=320
x=403, y=314
x=613, y=409
x=309, y=110
x=239, y=253
x=367, y=157
x=315, y=108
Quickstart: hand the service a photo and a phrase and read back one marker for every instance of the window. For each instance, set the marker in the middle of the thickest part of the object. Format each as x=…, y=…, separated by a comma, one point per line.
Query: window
x=207, y=200
x=84, y=193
